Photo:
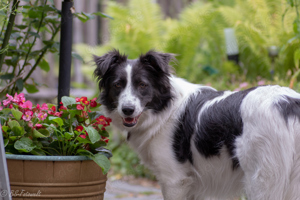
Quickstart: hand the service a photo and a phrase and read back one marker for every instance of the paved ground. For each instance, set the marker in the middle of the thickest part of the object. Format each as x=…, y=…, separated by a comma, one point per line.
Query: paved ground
x=121, y=190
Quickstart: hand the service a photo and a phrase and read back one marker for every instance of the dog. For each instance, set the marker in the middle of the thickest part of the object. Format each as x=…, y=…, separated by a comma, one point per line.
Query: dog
x=199, y=142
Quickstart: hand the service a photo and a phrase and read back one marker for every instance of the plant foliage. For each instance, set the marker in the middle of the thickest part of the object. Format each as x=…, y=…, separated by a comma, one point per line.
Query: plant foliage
x=41, y=130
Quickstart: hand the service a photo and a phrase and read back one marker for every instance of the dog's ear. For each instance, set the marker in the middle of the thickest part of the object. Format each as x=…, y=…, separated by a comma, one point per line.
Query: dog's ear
x=105, y=62
x=159, y=61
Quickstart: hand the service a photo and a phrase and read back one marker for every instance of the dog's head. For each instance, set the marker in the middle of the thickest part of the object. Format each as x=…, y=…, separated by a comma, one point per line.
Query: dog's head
x=131, y=87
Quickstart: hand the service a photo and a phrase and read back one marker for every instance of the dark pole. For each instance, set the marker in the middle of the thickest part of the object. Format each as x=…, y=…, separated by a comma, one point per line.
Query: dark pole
x=65, y=57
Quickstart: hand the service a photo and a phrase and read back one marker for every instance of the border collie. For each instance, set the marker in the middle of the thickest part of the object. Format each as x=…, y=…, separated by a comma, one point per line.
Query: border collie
x=199, y=142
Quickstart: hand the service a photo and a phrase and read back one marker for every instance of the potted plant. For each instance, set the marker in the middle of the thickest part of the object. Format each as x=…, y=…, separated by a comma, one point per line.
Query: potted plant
x=55, y=153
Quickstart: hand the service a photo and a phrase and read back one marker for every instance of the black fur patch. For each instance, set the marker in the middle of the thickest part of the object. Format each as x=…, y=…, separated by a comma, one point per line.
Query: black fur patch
x=219, y=125
x=288, y=108
x=187, y=122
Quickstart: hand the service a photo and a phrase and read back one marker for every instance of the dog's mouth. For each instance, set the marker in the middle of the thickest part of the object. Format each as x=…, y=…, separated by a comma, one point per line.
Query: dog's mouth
x=131, y=122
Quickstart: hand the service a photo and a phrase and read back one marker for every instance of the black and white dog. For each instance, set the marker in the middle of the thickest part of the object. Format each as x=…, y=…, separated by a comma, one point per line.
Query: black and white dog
x=199, y=142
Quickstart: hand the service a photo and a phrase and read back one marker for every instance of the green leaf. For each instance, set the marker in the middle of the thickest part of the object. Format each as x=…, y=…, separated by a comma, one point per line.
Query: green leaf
x=77, y=56
x=40, y=133
x=5, y=128
x=16, y=113
x=34, y=34
x=33, y=13
x=94, y=115
x=103, y=133
x=19, y=84
x=6, y=111
x=24, y=145
x=17, y=131
x=102, y=15
x=21, y=26
x=83, y=141
x=93, y=134
x=68, y=101
x=38, y=152
x=297, y=58
x=102, y=161
x=7, y=76
x=13, y=123
x=58, y=120
x=44, y=65
x=84, y=152
x=6, y=141
x=31, y=88
x=68, y=135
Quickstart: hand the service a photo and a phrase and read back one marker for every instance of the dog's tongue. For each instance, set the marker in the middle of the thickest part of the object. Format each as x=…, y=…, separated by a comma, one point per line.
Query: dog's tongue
x=129, y=122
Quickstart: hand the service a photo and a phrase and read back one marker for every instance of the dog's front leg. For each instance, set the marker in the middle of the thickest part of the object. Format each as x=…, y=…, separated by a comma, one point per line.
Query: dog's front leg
x=176, y=190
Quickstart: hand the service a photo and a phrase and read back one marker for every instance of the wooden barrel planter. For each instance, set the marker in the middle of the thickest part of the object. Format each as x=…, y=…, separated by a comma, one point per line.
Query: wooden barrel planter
x=55, y=177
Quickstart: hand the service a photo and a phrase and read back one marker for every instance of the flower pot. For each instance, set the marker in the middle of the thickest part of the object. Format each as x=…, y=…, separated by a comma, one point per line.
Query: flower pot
x=55, y=177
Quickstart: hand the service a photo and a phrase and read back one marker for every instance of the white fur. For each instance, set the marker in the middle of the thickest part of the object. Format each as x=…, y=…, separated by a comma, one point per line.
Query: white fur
x=127, y=97
x=268, y=149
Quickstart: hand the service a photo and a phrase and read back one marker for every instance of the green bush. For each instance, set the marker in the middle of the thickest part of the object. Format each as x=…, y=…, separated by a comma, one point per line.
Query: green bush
x=197, y=37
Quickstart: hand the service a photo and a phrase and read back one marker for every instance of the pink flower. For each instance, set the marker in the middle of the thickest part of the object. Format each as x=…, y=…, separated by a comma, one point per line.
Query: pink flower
x=44, y=106
x=8, y=100
x=38, y=126
x=30, y=124
x=79, y=107
x=77, y=99
x=262, y=82
x=11, y=106
x=82, y=136
x=243, y=85
x=19, y=98
x=27, y=116
x=42, y=116
x=27, y=104
x=1, y=108
x=58, y=114
x=52, y=110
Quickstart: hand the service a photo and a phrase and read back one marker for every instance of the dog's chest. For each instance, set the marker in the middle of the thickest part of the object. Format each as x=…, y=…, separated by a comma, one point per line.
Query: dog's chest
x=155, y=151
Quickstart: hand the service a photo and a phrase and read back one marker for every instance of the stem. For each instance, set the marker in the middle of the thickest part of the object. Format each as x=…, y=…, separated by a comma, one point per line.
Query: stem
x=8, y=30
x=11, y=83
x=296, y=7
x=25, y=38
x=41, y=56
x=34, y=40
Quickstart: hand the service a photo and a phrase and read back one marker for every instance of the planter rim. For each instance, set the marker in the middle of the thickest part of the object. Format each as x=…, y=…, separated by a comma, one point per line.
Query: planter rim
x=46, y=158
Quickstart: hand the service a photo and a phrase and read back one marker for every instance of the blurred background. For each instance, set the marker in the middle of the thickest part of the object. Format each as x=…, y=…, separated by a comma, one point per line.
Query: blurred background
x=261, y=47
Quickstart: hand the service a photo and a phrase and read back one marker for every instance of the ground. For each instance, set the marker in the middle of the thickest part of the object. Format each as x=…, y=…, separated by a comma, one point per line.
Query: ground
x=132, y=189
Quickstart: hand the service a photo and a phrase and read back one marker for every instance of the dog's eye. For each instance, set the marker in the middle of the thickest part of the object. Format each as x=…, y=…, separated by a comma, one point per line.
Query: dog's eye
x=142, y=85
x=117, y=85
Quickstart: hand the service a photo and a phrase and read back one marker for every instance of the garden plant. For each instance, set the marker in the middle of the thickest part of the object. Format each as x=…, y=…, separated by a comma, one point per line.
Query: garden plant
x=74, y=129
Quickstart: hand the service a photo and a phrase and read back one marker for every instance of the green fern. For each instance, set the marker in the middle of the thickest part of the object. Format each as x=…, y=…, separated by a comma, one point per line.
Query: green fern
x=197, y=37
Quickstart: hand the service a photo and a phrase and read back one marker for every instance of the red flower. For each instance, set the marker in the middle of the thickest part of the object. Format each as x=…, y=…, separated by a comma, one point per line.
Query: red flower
x=79, y=128
x=82, y=136
x=93, y=102
x=101, y=120
x=106, y=140
x=63, y=108
x=77, y=99
x=79, y=107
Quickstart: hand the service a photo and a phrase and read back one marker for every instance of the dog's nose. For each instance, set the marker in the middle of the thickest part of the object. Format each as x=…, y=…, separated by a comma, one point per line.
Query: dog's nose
x=128, y=110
